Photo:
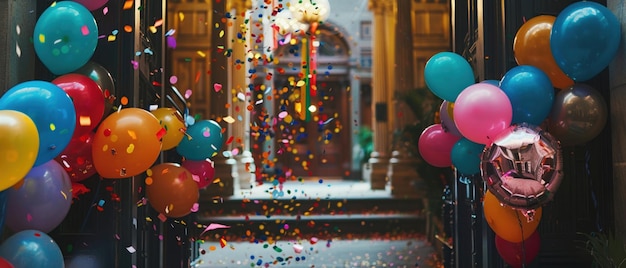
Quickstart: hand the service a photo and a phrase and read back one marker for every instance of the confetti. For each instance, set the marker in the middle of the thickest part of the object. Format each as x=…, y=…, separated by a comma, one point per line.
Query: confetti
x=131, y=249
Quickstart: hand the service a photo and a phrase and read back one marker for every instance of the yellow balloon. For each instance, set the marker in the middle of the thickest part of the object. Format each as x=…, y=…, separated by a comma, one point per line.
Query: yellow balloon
x=508, y=223
x=19, y=146
x=173, y=123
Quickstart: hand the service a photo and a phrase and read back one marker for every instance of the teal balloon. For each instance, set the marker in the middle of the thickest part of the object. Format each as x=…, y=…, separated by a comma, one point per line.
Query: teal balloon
x=531, y=94
x=465, y=156
x=65, y=37
x=585, y=38
x=446, y=74
x=52, y=111
x=32, y=249
x=204, y=140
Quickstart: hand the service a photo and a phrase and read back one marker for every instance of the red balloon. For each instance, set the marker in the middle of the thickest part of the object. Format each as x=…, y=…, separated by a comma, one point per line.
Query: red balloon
x=521, y=253
x=203, y=171
x=87, y=98
x=435, y=145
x=5, y=264
x=77, y=159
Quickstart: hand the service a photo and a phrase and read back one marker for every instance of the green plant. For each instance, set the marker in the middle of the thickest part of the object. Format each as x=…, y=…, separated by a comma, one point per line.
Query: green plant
x=606, y=250
x=366, y=142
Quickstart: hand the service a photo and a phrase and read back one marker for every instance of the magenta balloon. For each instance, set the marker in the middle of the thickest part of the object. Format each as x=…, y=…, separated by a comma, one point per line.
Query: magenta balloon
x=481, y=111
x=41, y=201
x=446, y=121
x=92, y=4
x=435, y=145
x=203, y=171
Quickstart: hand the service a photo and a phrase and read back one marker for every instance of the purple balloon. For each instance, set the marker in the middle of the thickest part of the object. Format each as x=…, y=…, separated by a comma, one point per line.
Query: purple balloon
x=446, y=121
x=41, y=201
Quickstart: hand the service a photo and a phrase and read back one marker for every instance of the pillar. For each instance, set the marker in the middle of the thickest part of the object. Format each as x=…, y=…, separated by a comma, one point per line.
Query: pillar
x=405, y=180
x=17, y=59
x=617, y=85
x=379, y=159
x=239, y=38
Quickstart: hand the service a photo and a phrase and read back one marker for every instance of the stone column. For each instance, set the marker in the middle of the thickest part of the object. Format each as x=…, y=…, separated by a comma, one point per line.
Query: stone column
x=224, y=166
x=379, y=159
x=239, y=38
x=402, y=173
x=618, y=124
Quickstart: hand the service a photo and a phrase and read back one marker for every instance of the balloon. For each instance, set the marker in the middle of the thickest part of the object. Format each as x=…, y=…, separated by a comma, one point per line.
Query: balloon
x=5, y=264
x=446, y=119
x=481, y=112
x=83, y=261
x=99, y=74
x=65, y=37
x=32, y=249
x=465, y=156
x=510, y=224
x=584, y=39
x=171, y=190
x=203, y=171
x=578, y=115
x=523, y=167
x=204, y=139
x=531, y=94
x=92, y=4
x=77, y=159
x=52, y=111
x=126, y=143
x=87, y=98
x=172, y=121
x=531, y=46
x=19, y=145
x=439, y=71
x=492, y=82
x=519, y=254
x=41, y=201
x=435, y=145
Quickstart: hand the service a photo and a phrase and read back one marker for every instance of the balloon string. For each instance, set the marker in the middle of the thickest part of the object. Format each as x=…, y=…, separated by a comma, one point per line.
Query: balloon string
x=521, y=228
x=93, y=202
x=592, y=192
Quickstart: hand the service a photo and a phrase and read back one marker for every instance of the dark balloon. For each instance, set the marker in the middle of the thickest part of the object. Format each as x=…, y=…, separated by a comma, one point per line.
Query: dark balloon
x=578, y=115
x=523, y=166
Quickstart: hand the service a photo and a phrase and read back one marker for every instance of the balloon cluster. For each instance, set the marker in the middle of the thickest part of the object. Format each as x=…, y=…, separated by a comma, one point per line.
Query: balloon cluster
x=55, y=134
x=510, y=131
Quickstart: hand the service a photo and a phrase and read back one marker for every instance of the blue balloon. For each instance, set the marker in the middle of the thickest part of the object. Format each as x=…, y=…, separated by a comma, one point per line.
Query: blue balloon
x=52, y=111
x=492, y=82
x=32, y=249
x=531, y=94
x=446, y=74
x=204, y=139
x=465, y=156
x=584, y=39
x=65, y=37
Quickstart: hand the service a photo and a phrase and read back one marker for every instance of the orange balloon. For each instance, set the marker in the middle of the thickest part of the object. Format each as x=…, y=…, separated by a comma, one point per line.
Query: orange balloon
x=173, y=123
x=171, y=190
x=531, y=46
x=509, y=223
x=126, y=143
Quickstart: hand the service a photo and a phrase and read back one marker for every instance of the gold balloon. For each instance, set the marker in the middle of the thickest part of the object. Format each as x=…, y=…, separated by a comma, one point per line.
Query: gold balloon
x=19, y=146
x=578, y=115
x=173, y=123
x=508, y=223
x=126, y=143
x=531, y=46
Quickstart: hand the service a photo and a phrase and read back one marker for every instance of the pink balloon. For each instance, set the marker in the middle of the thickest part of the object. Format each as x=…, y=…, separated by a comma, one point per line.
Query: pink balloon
x=481, y=111
x=435, y=145
x=92, y=4
x=203, y=171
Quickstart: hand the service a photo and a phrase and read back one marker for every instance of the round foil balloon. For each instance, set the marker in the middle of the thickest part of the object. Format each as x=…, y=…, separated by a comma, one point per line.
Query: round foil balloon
x=522, y=167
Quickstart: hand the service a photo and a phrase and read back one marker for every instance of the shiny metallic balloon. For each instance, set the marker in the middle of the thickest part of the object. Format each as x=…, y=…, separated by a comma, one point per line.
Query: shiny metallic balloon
x=578, y=115
x=522, y=167
x=99, y=74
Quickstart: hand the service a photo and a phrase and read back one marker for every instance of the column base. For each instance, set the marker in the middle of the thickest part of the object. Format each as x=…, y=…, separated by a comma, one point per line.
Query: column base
x=245, y=171
x=377, y=172
x=225, y=174
x=405, y=181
